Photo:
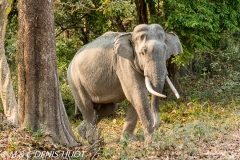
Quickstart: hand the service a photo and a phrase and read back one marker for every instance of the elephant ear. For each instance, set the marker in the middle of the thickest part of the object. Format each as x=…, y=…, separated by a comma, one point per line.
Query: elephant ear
x=173, y=45
x=123, y=46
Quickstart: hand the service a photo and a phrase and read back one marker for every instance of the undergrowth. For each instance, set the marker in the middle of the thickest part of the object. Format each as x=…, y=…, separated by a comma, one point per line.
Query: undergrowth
x=186, y=130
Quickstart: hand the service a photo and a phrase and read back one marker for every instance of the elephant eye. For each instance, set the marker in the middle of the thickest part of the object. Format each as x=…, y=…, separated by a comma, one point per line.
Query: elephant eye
x=143, y=51
x=142, y=37
x=160, y=36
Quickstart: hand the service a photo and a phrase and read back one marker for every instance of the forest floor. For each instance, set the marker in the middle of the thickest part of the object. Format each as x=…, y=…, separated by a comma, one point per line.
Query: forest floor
x=203, y=138
x=218, y=145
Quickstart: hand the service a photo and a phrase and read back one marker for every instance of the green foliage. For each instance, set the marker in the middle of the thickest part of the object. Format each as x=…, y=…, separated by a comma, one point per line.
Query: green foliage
x=125, y=146
x=9, y=8
x=10, y=44
x=66, y=49
x=199, y=23
x=10, y=47
x=112, y=8
x=38, y=134
x=219, y=89
x=223, y=59
x=1, y=106
x=68, y=101
x=84, y=20
x=108, y=153
x=13, y=144
x=28, y=128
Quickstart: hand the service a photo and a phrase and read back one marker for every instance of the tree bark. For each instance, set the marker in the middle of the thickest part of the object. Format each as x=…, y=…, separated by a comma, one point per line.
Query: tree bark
x=6, y=89
x=141, y=11
x=39, y=99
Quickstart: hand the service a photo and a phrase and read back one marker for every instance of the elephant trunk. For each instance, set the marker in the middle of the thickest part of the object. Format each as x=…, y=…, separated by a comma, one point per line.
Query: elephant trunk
x=157, y=83
x=155, y=111
x=155, y=98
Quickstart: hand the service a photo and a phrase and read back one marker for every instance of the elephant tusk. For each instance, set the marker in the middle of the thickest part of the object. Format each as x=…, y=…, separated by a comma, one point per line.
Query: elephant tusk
x=150, y=89
x=172, y=87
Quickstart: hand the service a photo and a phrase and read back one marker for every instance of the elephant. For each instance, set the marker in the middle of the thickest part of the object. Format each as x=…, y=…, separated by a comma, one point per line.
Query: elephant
x=118, y=66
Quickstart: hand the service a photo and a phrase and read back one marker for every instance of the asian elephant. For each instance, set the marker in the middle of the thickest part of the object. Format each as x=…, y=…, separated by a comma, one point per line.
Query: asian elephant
x=115, y=67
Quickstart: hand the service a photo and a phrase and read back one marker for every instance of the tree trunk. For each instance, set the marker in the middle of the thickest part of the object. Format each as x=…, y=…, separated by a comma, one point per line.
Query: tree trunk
x=66, y=34
x=6, y=89
x=165, y=17
x=152, y=7
x=117, y=22
x=141, y=11
x=39, y=99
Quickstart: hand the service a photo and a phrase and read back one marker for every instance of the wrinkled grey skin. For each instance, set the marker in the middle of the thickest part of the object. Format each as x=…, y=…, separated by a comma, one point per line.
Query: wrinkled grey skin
x=113, y=67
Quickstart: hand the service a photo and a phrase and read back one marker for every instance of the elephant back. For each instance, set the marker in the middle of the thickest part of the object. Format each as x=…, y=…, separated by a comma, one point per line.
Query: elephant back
x=106, y=40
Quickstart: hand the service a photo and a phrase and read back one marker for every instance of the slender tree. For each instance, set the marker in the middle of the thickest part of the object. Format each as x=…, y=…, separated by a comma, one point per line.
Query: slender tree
x=142, y=11
x=152, y=7
x=39, y=99
x=6, y=89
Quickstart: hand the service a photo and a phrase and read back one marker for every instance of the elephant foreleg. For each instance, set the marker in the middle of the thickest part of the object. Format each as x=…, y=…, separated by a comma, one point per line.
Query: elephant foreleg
x=130, y=123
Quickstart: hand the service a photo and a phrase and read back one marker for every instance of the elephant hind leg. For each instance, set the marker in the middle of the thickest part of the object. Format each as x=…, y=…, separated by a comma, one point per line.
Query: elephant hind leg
x=84, y=103
x=104, y=110
x=87, y=129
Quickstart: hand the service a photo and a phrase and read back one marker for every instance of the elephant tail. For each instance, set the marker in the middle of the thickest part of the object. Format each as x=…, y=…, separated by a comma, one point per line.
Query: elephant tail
x=76, y=110
x=70, y=83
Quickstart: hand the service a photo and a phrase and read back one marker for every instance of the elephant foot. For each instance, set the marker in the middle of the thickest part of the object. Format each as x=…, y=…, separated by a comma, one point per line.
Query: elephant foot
x=148, y=139
x=93, y=134
x=82, y=128
x=88, y=131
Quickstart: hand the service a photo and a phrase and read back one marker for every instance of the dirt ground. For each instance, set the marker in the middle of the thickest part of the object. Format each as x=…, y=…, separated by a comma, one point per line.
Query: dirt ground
x=225, y=146
x=15, y=144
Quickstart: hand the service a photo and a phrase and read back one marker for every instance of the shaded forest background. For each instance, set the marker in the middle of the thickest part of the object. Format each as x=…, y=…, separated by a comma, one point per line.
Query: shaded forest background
x=209, y=32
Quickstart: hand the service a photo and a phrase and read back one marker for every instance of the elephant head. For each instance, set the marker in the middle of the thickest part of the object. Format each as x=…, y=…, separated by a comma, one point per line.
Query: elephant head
x=147, y=48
